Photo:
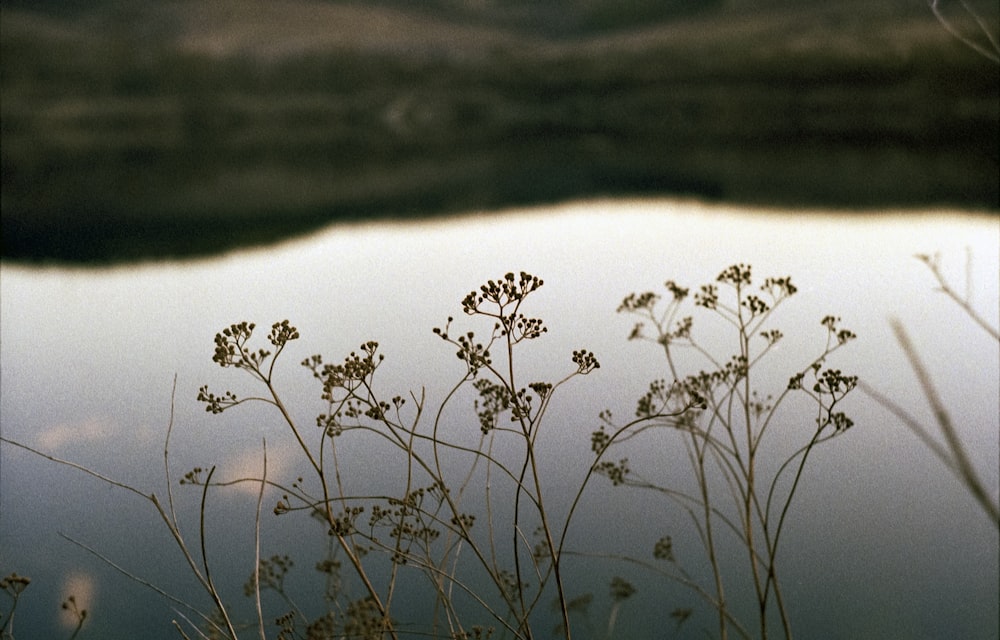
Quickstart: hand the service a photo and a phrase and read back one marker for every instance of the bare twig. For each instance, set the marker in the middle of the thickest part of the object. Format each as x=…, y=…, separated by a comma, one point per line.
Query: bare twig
x=912, y=424
x=992, y=55
x=256, y=544
x=962, y=465
x=135, y=578
x=933, y=263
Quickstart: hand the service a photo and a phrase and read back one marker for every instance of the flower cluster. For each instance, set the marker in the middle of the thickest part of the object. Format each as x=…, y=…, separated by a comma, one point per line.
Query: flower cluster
x=843, y=336
x=214, y=403
x=14, y=584
x=621, y=589
x=585, y=361
x=270, y=574
x=664, y=549
x=192, y=477
x=231, y=350
x=614, y=471
x=501, y=292
x=348, y=376
x=343, y=524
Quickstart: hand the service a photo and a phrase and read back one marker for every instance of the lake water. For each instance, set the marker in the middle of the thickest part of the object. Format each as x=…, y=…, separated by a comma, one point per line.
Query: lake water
x=884, y=542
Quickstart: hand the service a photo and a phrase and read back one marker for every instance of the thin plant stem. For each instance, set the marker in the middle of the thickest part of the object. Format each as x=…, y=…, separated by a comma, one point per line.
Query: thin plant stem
x=146, y=583
x=933, y=263
x=180, y=630
x=171, y=525
x=728, y=439
x=963, y=465
x=683, y=580
x=993, y=56
x=212, y=591
x=256, y=544
x=348, y=550
x=913, y=425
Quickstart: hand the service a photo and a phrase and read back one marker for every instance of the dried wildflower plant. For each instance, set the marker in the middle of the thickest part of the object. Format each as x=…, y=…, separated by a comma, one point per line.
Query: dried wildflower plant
x=12, y=586
x=729, y=432
x=425, y=526
x=469, y=513
x=943, y=438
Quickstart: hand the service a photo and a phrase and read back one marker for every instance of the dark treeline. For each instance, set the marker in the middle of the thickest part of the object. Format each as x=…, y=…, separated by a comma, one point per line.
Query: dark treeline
x=126, y=146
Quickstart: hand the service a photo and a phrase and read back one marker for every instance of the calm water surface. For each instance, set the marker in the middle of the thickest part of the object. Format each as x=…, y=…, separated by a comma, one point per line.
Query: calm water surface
x=884, y=542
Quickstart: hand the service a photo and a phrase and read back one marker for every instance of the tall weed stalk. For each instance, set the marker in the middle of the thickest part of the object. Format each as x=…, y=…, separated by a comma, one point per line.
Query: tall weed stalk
x=733, y=435
x=948, y=445
x=465, y=504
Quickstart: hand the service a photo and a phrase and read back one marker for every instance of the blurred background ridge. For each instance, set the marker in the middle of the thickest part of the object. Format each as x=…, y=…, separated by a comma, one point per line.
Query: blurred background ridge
x=177, y=127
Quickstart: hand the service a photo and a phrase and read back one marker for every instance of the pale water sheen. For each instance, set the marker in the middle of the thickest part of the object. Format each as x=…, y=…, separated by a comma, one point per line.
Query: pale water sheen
x=884, y=543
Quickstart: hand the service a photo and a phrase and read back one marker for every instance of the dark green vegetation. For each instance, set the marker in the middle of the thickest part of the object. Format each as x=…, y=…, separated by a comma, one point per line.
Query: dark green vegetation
x=126, y=137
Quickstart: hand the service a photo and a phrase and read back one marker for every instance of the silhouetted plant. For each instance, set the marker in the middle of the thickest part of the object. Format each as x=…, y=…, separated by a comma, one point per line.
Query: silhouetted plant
x=78, y=614
x=12, y=586
x=425, y=527
x=949, y=446
x=464, y=493
x=731, y=431
x=982, y=39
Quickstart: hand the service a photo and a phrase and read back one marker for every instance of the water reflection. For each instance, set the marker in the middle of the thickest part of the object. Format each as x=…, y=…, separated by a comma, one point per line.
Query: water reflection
x=884, y=543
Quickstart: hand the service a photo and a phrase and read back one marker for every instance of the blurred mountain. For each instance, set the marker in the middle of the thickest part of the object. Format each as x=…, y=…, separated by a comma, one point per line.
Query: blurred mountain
x=128, y=124
x=260, y=27
x=546, y=18
x=284, y=27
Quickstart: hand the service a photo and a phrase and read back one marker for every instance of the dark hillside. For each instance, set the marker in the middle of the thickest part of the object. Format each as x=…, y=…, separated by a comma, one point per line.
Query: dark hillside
x=181, y=127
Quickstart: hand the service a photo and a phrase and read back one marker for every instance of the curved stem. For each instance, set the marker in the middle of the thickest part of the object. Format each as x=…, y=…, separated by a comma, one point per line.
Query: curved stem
x=963, y=465
x=212, y=591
